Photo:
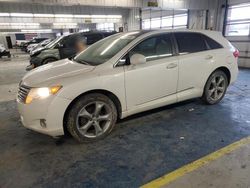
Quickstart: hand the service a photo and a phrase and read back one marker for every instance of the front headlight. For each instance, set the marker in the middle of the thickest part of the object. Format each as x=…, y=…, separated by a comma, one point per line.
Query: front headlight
x=41, y=93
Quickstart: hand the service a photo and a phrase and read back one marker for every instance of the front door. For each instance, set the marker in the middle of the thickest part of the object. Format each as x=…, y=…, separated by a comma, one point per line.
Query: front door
x=157, y=78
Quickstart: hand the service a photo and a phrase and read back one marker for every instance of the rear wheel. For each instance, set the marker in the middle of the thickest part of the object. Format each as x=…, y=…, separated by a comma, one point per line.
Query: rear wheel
x=91, y=118
x=215, y=88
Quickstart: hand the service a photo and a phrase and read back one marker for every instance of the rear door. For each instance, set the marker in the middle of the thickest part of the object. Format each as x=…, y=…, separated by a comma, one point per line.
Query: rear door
x=195, y=64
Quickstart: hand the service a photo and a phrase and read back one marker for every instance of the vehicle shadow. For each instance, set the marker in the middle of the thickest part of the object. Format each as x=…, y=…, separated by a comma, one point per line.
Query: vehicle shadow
x=120, y=122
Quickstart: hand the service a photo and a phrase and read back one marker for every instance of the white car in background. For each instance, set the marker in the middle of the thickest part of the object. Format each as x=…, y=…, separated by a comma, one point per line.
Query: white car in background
x=4, y=51
x=124, y=74
x=20, y=42
x=2, y=48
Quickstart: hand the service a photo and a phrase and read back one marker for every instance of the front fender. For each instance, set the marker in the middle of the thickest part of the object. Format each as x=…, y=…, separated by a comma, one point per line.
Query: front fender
x=111, y=82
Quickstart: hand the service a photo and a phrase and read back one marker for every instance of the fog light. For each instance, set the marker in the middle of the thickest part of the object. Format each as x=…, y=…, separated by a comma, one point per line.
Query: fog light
x=43, y=123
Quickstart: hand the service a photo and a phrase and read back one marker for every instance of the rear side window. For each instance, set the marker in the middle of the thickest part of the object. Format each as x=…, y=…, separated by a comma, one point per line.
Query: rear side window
x=108, y=34
x=212, y=43
x=69, y=41
x=190, y=42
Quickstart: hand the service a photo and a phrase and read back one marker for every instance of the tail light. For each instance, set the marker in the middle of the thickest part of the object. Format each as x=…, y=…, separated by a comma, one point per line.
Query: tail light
x=236, y=53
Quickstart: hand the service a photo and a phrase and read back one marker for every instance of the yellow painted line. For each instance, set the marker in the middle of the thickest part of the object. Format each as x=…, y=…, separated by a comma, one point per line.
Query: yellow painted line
x=172, y=176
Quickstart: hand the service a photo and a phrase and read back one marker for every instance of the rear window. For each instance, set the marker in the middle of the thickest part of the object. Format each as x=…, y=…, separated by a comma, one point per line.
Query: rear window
x=190, y=42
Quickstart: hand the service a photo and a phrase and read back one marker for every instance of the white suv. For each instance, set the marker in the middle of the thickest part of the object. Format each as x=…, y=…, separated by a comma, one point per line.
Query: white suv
x=122, y=75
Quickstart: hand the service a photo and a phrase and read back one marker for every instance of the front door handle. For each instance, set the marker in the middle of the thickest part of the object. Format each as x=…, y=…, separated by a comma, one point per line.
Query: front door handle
x=171, y=66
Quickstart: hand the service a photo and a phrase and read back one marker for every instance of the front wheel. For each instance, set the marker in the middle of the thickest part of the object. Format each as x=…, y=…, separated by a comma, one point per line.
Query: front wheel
x=91, y=118
x=215, y=87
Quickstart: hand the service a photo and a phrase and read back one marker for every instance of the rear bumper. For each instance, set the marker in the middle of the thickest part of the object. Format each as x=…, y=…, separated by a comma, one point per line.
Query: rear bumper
x=50, y=110
x=234, y=73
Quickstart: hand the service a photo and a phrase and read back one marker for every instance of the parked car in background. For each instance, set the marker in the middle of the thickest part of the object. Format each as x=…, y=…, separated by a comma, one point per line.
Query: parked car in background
x=4, y=51
x=20, y=43
x=31, y=47
x=41, y=48
x=124, y=74
x=33, y=41
x=63, y=47
x=41, y=45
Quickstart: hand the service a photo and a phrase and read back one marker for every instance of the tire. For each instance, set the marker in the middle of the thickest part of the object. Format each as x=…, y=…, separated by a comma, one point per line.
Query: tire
x=84, y=122
x=48, y=60
x=215, y=88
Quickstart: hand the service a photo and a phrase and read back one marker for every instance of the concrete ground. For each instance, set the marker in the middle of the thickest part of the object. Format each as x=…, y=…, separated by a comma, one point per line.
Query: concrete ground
x=229, y=171
x=141, y=148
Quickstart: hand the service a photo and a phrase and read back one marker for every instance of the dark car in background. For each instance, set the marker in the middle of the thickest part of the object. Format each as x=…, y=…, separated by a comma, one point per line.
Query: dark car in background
x=64, y=47
x=33, y=41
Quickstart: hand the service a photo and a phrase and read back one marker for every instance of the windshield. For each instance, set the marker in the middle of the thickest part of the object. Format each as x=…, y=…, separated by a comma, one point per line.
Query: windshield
x=105, y=49
x=54, y=42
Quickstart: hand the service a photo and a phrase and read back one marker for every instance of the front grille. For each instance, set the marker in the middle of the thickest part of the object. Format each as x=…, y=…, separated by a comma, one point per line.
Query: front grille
x=23, y=92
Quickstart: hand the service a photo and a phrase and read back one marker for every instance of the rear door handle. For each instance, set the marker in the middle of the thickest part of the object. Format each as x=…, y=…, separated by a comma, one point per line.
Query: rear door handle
x=209, y=57
x=171, y=66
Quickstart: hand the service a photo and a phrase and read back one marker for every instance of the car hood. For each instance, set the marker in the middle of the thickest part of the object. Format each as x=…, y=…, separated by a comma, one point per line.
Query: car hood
x=37, y=50
x=50, y=73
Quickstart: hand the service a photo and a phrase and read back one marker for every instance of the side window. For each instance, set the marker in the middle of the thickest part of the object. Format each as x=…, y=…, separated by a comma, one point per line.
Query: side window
x=70, y=41
x=154, y=47
x=92, y=38
x=212, y=43
x=190, y=42
x=106, y=34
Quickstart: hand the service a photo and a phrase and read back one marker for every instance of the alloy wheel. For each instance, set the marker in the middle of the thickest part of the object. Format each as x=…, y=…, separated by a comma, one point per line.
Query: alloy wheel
x=217, y=88
x=94, y=119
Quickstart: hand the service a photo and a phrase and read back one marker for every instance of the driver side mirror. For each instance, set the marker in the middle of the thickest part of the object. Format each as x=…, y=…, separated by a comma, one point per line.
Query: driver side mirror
x=137, y=59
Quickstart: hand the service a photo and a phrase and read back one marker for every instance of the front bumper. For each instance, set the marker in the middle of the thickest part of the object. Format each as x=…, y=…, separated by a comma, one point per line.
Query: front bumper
x=50, y=110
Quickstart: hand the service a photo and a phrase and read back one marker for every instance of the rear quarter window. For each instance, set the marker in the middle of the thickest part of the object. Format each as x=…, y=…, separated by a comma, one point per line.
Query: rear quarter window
x=212, y=43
